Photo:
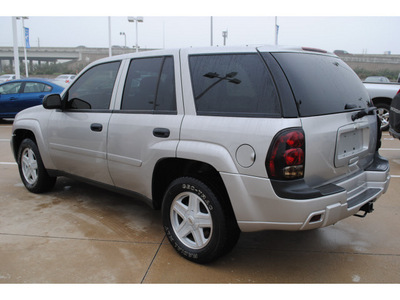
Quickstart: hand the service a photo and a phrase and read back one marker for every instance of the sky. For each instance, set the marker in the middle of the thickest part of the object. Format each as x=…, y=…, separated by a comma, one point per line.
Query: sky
x=374, y=30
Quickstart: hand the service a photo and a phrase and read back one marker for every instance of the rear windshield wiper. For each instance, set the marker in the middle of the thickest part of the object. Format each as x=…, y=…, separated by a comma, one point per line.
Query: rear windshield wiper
x=363, y=113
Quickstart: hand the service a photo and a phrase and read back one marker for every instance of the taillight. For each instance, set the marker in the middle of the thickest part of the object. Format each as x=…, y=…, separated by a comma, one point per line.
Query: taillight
x=398, y=92
x=286, y=155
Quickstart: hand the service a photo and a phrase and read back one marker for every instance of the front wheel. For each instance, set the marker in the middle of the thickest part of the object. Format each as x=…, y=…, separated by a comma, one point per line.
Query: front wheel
x=197, y=222
x=31, y=169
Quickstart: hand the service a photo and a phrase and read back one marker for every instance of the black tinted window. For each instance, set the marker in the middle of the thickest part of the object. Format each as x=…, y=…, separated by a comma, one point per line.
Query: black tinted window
x=322, y=84
x=233, y=84
x=150, y=85
x=94, y=88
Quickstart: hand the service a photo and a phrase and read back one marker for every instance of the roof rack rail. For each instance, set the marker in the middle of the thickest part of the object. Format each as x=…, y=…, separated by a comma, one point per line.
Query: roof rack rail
x=314, y=49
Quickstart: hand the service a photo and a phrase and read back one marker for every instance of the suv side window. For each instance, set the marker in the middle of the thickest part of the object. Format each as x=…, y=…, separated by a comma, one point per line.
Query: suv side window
x=233, y=85
x=150, y=86
x=94, y=88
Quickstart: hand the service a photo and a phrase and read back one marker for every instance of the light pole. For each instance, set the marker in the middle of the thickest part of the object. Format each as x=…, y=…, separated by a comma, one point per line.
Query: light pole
x=212, y=28
x=137, y=19
x=225, y=35
x=23, y=34
x=123, y=33
x=15, y=44
x=276, y=31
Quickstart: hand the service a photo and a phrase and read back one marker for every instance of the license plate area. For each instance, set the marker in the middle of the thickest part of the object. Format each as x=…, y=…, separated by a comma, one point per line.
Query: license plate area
x=351, y=143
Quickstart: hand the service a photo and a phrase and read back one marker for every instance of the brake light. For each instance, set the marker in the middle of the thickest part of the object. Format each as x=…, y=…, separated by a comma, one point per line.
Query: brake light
x=398, y=92
x=286, y=156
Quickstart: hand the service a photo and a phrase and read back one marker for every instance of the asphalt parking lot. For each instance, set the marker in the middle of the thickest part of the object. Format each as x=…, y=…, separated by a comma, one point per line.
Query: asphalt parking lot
x=82, y=234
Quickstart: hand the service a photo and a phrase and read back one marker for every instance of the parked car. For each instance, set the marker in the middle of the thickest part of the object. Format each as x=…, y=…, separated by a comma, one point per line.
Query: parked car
x=221, y=139
x=7, y=77
x=377, y=79
x=341, y=52
x=65, y=79
x=394, y=119
x=381, y=95
x=17, y=95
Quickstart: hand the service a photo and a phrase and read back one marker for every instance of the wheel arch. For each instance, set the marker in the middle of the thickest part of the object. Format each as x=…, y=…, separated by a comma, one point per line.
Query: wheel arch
x=169, y=169
x=18, y=136
x=28, y=128
x=381, y=100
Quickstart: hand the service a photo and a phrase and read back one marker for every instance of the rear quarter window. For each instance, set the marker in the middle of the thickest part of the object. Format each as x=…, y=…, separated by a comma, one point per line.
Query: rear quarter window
x=233, y=85
x=322, y=84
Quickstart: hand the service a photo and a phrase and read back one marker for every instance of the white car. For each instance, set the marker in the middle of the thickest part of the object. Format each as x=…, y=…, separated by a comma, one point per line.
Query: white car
x=7, y=77
x=65, y=79
x=377, y=79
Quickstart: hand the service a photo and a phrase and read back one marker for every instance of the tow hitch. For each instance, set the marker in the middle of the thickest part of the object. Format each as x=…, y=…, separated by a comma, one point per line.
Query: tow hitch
x=366, y=208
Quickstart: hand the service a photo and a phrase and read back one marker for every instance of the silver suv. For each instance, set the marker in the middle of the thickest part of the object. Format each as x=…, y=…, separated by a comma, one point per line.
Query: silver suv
x=222, y=140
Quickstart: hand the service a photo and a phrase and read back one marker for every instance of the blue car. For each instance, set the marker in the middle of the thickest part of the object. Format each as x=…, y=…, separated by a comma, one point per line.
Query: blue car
x=17, y=95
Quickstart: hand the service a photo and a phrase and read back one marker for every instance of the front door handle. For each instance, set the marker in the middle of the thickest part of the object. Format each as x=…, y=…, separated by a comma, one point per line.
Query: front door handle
x=96, y=127
x=161, y=132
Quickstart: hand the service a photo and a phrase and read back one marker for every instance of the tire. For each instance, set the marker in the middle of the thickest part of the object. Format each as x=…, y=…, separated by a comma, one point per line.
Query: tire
x=31, y=169
x=383, y=113
x=197, y=223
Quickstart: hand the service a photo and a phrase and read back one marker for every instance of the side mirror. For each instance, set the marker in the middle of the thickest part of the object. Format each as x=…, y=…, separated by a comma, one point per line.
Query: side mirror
x=52, y=101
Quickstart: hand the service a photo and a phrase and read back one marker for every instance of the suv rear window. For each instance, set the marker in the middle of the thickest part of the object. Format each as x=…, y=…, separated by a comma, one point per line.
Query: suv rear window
x=322, y=84
x=233, y=85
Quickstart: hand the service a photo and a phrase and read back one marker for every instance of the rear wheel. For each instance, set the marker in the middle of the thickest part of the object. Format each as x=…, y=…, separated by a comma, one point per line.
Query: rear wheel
x=31, y=169
x=196, y=221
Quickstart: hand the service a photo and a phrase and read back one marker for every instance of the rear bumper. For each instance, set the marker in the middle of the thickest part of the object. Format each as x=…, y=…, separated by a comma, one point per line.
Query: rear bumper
x=258, y=207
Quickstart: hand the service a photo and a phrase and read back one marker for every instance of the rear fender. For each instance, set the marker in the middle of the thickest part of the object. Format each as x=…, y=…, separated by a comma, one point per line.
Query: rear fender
x=215, y=155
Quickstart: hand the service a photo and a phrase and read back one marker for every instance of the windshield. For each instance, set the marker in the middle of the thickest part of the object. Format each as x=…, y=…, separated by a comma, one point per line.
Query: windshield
x=322, y=84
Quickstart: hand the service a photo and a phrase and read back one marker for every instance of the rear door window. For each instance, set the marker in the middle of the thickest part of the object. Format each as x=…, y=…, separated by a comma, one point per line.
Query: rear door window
x=233, y=85
x=36, y=87
x=322, y=84
x=150, y=86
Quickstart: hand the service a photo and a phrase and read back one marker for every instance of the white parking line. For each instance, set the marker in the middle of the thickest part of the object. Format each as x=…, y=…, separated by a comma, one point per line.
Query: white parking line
x=390, y=149
x=7, y=163
x=4, y=140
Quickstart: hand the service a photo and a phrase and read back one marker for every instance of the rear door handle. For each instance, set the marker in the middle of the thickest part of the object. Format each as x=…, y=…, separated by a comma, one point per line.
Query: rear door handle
x=161, y=132
x=96, y=127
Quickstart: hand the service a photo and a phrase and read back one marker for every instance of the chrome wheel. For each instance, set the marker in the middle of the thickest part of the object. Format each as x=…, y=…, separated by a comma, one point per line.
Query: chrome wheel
x=197, y=221
x=29, y=166
x=383, y=114
x=191, y=220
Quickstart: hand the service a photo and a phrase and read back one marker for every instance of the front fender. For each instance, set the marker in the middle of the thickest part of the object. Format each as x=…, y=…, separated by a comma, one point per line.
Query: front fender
x=29, y=123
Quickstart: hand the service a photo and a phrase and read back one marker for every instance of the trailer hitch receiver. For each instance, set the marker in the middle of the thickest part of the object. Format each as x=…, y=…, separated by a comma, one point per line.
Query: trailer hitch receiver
x=366, y=208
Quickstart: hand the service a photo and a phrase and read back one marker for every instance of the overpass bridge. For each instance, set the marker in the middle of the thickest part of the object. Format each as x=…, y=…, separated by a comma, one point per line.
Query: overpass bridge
x=41, y=55
x=370, y=62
